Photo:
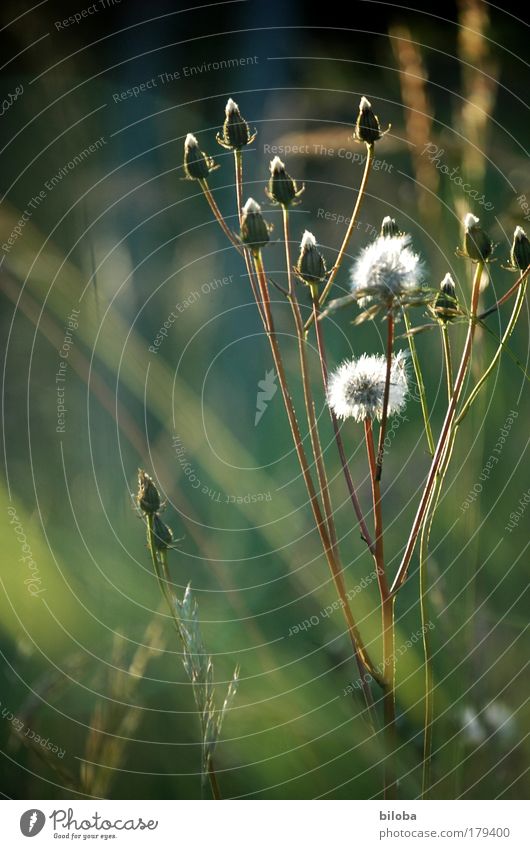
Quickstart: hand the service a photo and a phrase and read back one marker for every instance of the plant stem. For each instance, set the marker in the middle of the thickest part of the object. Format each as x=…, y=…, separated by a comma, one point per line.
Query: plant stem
x=160, y=566
x=349, y=231
x=386, y=395
x=444, y=436
x=361, y=655
x=387, y=619
x=424, y=582
x=506, y=295
x=230, y=236
x=506, y=335
x=419, y=381
x=365, y=533
x=448, y=360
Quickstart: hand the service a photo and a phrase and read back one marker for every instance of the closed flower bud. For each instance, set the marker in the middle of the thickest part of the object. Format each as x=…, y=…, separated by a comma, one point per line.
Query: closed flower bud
x=311, y=267
x=197, y=165
x=477, y=244
x=389, y=228
x=148, y=499
x=254, y=229
x=520, y=253
x=162, y=535
x=236, y=132
x=282, y=188
x=446, y=304
x=367, y=127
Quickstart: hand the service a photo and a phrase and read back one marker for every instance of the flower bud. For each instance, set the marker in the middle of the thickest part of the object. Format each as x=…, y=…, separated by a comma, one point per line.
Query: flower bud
x=446, y=304
x=254, y=230
x=197, y=165
x=477, y=244
x=162, y=535
x=311, y=267
x=282, y=188
x=236, y=132
x=367, y=127
x=148, y=499
x=389, y=228
x=520, y=253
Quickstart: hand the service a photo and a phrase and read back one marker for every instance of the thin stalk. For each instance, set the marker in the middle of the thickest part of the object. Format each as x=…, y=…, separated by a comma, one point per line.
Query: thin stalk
x=506, y=335
x=161, y=568
x=308, y=394
x=365, y=533
x=420, y=383
x=424, y=581
x=448, y=360
x=361, y=655
x=386, y=394
x=506, y=296
x=349, y=231
x=444, y=435
x=388, y=624
x=231, y=237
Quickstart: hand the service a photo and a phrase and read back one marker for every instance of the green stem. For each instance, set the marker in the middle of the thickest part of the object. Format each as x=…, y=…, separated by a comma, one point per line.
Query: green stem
x=349, y=231
x=419, y=380
x=448, y=360
x=444, y=435
x=506, y=335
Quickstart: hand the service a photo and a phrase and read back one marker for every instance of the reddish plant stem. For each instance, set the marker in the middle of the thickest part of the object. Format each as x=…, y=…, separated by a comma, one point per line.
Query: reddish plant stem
x=387, y=617
x=386, y=395
x=505, y=297
x=362, y=658
x=444, y=436
x=349, y=231
x=365, y=533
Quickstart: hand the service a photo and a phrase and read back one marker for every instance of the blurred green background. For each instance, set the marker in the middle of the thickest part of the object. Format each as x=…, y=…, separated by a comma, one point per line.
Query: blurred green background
x=121, y=238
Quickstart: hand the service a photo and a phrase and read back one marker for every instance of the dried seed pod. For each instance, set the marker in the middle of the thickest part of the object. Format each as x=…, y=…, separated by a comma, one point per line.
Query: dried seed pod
x=236, y=132
x=282, y=188
x=367, y=126
x=311, y=266
x=477, y=244
x=254, y=229
x=446, y=304
x=148, y=498
x=520, y=252
x=197, y=165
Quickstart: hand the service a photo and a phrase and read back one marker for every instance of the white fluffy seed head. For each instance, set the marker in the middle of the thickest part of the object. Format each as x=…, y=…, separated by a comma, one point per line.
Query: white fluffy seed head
x=519, y=233
x=356, y=389
x=191, y=141
x=470, y=221
x=364, y=104
x=276, y=165
x=231, y=106
x=308, y=241
x=251, y=207
x=385, y=270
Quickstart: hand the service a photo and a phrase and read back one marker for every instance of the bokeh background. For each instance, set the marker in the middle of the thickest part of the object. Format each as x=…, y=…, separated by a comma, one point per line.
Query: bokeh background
x=90, y=662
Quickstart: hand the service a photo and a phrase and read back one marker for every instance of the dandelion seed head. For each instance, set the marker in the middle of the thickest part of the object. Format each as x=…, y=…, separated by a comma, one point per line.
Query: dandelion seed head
x=356, y=389
x=387, y=270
